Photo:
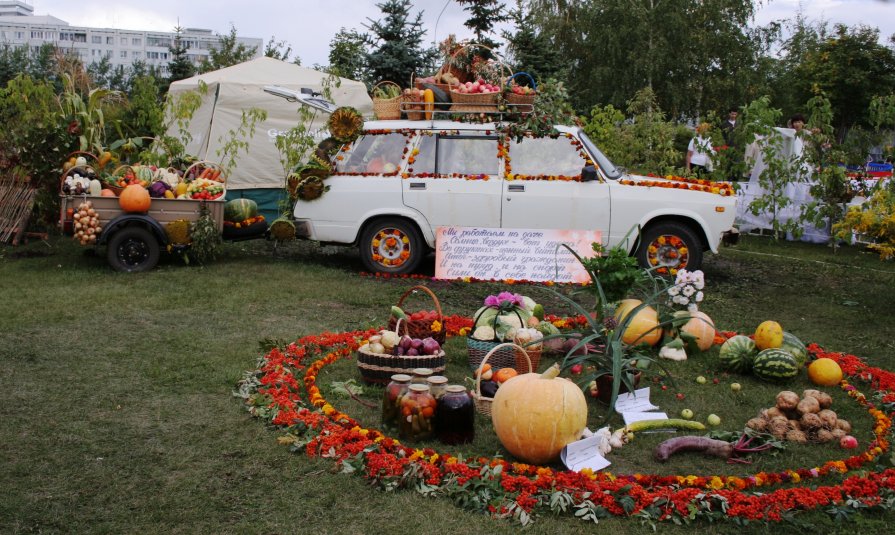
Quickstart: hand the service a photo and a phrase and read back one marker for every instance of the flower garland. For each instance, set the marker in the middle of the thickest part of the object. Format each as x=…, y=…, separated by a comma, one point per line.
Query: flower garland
x=517, y=490
x=678, y=182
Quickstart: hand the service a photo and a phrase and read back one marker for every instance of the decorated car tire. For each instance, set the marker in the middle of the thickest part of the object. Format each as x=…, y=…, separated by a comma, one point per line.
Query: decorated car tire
x=391, y=246
x=669, y=246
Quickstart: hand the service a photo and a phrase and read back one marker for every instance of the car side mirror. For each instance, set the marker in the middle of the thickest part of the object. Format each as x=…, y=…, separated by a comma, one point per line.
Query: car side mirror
x=588, y=173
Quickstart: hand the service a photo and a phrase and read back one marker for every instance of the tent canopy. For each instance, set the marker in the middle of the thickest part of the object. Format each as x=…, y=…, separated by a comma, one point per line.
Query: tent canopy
x=240, y=87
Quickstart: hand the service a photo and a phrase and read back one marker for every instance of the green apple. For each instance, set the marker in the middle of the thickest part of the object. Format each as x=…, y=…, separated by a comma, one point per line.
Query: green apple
x=701, y=380
x=686, y=414
x=736, y=387
x=713, y=420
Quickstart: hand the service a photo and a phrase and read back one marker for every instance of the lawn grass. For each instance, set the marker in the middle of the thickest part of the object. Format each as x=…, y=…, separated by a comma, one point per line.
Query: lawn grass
x=119, y=416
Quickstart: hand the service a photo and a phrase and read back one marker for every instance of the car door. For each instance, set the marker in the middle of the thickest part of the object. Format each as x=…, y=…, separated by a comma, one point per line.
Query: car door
x=542, y=187
x=453, y=179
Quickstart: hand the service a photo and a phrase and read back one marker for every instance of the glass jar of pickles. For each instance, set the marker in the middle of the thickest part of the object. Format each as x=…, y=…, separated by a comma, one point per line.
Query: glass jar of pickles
x=417, y=414
x=455, y=421
x=436, y=385
x=420, y=375
x=391, y=400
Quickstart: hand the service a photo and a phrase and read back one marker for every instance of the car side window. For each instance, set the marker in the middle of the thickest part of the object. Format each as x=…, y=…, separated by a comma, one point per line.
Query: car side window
x=546, y=158
x=373, y=154
x=456, y=155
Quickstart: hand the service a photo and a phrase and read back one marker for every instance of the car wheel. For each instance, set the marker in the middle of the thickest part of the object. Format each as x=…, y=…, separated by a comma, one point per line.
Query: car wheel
x=668, y=247
x=391, y=246
x=133, y=249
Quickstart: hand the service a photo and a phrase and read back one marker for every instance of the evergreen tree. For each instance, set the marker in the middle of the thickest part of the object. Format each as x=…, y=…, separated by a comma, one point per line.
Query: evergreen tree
x=531, y=49
x=180, y=66
x=397, y=43
x=228, y=52
x=483, y=16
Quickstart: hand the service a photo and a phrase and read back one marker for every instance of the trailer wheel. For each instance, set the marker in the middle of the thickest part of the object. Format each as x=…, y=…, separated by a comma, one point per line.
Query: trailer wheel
x=132, y=250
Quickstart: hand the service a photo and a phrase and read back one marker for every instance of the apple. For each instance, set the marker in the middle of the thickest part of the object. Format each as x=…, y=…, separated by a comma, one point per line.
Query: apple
x=686, y=414
x=592, y=389
x=701, y=380
x=576, y=369
x=736, y=387
x=848, y=442
x=679, y=395
x=713, y=420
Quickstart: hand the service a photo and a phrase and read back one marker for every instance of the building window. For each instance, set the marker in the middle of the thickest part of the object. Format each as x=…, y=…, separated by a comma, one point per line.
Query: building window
x=20, y=35
x=137, y=41
x=124, y=40
x=164, y=55
x=124, y=54
x=136, y=54
x=110, y=40
x=109, y=54
x=96, y=39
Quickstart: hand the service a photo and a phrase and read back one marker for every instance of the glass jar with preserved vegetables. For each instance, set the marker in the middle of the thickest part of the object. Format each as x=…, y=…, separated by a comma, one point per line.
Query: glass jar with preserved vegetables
x=455, y=420
x=421, y=375
x=417, y=414
x=391, y=400
x=436, y=385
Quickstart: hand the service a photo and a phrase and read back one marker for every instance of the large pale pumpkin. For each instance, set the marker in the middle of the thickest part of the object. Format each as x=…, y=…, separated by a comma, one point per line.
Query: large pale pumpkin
x=536, y=415
x=703, y=328
x=134, y=199
x=642, y=327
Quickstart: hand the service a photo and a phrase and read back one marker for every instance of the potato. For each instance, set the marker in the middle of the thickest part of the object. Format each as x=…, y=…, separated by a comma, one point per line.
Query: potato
x=808, y=405
x=787, y=400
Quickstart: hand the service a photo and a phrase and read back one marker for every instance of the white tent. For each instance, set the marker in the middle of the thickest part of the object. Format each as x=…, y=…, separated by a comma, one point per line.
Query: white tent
x=240, y=87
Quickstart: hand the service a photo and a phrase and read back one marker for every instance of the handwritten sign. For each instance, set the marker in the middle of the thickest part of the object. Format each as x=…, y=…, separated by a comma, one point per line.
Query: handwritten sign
x=517, y=254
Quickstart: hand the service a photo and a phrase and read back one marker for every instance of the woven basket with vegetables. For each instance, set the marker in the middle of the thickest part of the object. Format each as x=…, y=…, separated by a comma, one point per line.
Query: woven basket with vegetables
x=387, y=100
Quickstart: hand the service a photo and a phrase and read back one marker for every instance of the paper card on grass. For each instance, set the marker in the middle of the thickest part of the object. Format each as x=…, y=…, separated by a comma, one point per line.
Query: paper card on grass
x=584, y=454
x=637, y=401
x=631, y=417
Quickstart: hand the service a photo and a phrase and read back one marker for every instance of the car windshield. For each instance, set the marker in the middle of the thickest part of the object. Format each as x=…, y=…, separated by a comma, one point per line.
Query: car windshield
x=604, y=163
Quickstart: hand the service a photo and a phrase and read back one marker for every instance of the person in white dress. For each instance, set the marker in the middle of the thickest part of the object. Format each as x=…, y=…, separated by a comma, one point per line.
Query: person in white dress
x=700, y=151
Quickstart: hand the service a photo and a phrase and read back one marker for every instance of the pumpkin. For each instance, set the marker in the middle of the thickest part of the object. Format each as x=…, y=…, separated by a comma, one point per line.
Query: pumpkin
x=536, y=415
x=107, y=193
x=504, y=374
x=702, y=328
x=642, y=328
x=134, y=198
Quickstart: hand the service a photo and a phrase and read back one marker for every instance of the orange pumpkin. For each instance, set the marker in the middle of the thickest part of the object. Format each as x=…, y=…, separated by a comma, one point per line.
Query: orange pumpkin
x=643, y=327
x=107, y=193
x=702, y=328
x=134, y=199
x=505, y=374
x=536, y=415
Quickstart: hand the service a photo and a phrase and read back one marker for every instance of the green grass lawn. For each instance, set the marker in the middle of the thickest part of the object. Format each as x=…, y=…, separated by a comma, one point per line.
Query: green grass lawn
x=119, y=416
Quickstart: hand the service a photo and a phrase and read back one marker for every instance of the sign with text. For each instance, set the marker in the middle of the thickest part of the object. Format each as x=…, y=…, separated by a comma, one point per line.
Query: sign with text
x=517, y=254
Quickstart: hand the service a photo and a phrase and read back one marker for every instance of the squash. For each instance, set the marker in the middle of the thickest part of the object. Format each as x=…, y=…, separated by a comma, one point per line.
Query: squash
x=643, y=328
x=702, y=328
x=135, y=199
x=768, y=335
x=536, y=415
x=107, y=193
x=825, y=372
x=429, y=99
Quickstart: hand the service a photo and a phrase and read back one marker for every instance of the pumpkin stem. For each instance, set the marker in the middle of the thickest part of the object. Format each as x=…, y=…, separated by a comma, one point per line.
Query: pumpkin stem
x=552, y=372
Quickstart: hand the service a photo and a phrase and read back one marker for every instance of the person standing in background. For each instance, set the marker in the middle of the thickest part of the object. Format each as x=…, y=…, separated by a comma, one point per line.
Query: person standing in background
x=728, y=126
x=700, y=151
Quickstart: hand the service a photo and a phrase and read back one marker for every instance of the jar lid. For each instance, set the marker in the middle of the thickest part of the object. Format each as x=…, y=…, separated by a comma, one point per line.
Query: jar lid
x=455, y=388
x=422, y=371
x=437, y=380
x=416, y=387
x=401, y=377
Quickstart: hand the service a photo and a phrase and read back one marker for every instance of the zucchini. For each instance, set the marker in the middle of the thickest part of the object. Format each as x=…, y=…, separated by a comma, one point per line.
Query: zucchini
x=673, y=423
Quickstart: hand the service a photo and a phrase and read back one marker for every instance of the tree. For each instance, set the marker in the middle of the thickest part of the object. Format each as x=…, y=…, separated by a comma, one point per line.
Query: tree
x=347, y=56
x=279, y=50
x=228, y=52
x=397, y=44
x=532, y=50
x=180, y=66
x=483, y=16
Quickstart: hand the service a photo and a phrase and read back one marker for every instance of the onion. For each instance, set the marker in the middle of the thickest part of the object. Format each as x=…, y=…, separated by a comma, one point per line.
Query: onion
x=430, y=346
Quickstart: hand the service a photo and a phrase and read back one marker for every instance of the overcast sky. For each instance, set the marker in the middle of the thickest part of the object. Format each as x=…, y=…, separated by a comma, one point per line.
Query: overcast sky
x=309, y=25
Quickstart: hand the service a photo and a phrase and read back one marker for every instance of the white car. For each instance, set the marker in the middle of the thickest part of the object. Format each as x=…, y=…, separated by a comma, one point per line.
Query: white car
x=404, y=179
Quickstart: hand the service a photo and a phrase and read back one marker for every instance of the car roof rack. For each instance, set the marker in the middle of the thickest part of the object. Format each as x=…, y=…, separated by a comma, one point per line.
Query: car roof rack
x=488, y=111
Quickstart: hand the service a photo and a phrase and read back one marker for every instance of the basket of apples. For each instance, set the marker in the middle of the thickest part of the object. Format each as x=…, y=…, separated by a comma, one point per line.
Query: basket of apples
x=475, y=97
x=522, y=96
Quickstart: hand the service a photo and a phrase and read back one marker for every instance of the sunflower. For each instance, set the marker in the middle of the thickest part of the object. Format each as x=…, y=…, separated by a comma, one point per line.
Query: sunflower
x=282, y=229
x=327, y=148
x=311, y=188
x=345, y=124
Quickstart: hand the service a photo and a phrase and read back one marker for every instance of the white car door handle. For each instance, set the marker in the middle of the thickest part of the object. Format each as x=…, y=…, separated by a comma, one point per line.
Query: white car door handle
x=417, y=185
x=516, y=187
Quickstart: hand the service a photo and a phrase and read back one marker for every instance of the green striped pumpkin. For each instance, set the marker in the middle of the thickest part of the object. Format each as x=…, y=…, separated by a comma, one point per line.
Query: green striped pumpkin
x=238, y=210
x=775, y=365
x=795, y=346
x=737, y=354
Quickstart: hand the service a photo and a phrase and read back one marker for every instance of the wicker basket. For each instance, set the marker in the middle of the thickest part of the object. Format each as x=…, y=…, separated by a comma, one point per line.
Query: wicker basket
x=420, y=328
x=378, y=368
x=387, y=108
x=415, y=109
x=474, y=102
x=526, y=357
x=483, y=403
x=520, y=103
x=478, y=349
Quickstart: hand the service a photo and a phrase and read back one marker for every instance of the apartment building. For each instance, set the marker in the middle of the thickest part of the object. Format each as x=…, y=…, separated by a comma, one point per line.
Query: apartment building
x=20, y=27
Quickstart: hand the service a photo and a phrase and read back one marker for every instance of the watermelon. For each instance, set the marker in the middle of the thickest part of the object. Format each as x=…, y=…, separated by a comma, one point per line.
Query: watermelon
x=795, y=346
x=737, y=354
x=238, y=210
x=775, y=365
